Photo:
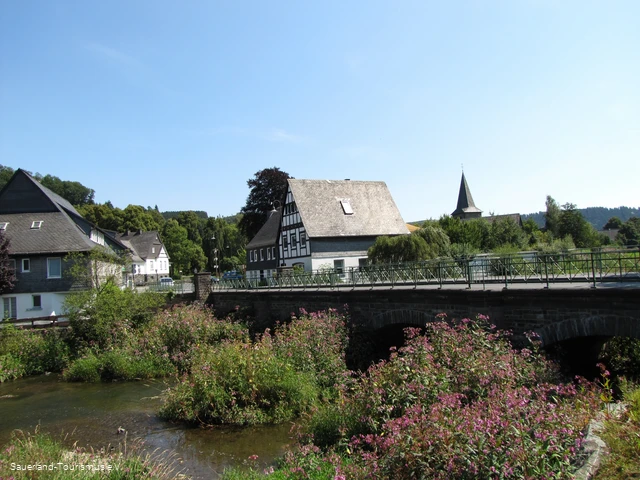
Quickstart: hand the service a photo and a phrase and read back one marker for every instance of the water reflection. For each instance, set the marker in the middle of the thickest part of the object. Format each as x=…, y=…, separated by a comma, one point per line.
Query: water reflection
x=93, y=413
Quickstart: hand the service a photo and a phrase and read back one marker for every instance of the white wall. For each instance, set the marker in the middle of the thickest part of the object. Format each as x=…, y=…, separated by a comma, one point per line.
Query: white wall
x=52, y=304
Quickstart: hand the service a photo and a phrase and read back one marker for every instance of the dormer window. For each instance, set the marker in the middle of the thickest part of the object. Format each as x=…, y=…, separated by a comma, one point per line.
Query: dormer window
x=153, y=249
x=346, y=206
x=4, y=225
x=36, y=224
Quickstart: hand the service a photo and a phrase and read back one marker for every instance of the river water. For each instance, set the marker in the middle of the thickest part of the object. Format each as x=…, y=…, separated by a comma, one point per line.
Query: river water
x=91, y=414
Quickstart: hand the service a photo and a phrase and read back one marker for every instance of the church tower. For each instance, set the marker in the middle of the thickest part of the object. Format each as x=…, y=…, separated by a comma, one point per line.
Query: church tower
x=466, y=208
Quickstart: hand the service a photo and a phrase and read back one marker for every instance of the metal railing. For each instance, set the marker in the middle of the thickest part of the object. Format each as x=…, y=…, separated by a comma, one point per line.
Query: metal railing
x=179, y=287
x=590, y=266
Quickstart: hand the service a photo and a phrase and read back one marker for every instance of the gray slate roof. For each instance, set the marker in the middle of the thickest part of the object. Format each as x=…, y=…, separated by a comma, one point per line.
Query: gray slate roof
x=58, y=234
x=319, y=203
x=60, y=231
x=268, y=234
x=465, y=200
x=142, y=243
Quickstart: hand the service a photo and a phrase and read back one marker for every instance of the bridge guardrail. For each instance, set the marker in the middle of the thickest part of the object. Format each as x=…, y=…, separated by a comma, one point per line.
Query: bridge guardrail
x=590, y=266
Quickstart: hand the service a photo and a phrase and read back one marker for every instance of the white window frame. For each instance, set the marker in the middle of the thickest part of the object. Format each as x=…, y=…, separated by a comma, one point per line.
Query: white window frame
x=262, y=254
x=251, y=259
x=22, y=262
x=49, y=260
x=37, y=224
x=10, y=306
x=33, y=299
x=268, y=253
x=4, y=225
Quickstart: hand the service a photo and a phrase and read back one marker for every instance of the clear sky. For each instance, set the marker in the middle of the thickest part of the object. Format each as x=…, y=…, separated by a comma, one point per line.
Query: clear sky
x=178, y=104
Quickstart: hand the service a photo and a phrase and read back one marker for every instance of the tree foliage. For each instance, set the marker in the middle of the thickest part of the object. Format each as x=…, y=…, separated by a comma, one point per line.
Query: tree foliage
x=437, y=240
x=403, y=248
x=266, y=186
x=572, y=223
x=552, y=216
x=614, y=223
x=185, y=255
x=7, y=269
x=629, y=234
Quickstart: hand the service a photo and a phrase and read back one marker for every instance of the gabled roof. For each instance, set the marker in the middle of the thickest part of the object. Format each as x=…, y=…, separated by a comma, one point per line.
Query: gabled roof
x=23, y=193
x=465, y=200
x=268, y=234
x=24, y=201
x=142, y=243
x=324, y=207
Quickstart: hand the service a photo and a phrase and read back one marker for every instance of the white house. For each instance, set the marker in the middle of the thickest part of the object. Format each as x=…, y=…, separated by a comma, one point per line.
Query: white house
x=150, y=260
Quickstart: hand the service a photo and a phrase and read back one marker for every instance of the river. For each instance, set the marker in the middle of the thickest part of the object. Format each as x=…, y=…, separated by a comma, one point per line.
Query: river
x=91, y=414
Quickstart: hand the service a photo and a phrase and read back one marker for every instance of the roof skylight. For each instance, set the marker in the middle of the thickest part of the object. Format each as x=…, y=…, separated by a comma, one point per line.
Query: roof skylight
x=4, y=225
x=346, y=206
x=37, y=224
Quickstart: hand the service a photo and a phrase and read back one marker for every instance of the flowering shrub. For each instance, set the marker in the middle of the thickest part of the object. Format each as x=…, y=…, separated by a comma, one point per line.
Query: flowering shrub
x=458, y=402
x=274, y=379
x=31, y=352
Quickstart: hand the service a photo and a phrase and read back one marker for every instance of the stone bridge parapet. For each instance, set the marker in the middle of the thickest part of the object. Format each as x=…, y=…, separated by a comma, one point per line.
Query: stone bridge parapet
x=556, y=315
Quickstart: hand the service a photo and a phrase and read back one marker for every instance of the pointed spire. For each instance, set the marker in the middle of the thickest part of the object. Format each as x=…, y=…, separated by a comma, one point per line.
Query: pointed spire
x=466, y=207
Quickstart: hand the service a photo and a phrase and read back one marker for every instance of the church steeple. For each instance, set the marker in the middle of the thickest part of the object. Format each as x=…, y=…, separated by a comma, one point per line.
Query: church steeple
x=466, y=208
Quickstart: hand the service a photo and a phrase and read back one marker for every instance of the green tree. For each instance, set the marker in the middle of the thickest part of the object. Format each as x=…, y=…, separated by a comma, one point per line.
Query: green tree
x=572, y=223
x=437, y=240
x=193, y=224
x=102, y=215
x=552, y=216
x=267, y=186
x=629, y=234
x=403, y=248
x=505, y=232
x=225, y=242
x=7, y=268
x=185, y=255
x=5, y=175
x=614, y=223
x=74, y=192
x=474, y=233
x=135, y=217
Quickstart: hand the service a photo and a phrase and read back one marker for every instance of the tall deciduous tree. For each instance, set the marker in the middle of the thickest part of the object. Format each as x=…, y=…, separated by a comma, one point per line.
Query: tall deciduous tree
x=629, y=233
x=404, y=248
x=7, y=269
x=267, y=186
x=185, y=255
x=552, y=216
x=571, y=222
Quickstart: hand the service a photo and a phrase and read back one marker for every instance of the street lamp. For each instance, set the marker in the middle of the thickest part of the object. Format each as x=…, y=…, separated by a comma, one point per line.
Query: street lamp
x=215, y=256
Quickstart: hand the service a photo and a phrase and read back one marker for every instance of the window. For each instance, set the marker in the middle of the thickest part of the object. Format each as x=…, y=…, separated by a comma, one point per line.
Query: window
x=268, y=254
x=37, y=301
x=151, y=265
x=251, y=256
x=261, y=254
x=36, y=224
x=303, y=239
x=153, y=249
x=26, y=265
x=4, y=225
x=273, y=252
x=54, y=267
x=285, y=241
x=346, y=206
x=338, y=266
x=293, y=240
x=10, y=310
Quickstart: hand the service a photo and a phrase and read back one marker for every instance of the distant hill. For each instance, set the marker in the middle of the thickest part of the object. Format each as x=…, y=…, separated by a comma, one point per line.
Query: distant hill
x=199, y=213
x=596, y=216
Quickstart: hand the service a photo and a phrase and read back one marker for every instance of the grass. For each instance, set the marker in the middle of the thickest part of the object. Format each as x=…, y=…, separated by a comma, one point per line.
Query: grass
x=622, y=436
x=37, y=455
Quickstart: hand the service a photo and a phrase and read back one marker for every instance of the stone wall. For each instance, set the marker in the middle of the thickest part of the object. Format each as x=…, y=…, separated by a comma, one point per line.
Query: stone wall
x=556, y=314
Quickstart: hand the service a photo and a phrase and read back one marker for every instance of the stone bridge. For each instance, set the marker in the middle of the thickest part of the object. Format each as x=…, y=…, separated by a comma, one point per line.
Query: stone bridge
x=557, y=314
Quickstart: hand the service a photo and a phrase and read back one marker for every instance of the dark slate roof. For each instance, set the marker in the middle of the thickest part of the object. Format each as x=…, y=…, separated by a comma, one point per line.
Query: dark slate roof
x=513, y=216
x=23, y=200
x=142, y=243
x=319, y=203
x=465, y=200
x=268, y=234
x=58, y=234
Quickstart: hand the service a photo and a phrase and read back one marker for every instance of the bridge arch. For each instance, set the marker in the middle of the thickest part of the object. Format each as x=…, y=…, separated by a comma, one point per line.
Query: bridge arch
x=404, y=317
x=591, y=326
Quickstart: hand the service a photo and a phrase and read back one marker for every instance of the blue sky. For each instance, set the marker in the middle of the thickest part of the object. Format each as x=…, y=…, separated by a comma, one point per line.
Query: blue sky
x=178, y=104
